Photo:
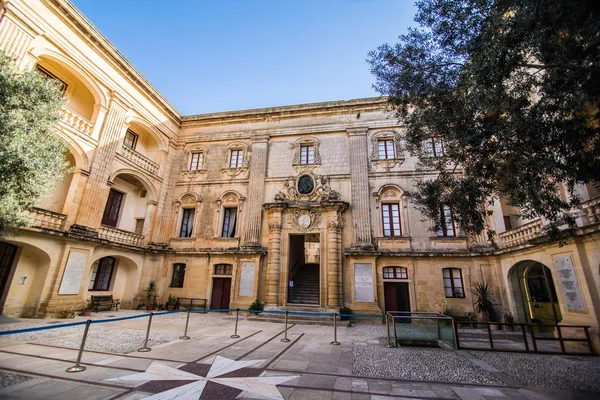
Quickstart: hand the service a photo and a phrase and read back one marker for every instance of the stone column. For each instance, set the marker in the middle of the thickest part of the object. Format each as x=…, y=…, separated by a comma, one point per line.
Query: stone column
x=94, y=197
x=333, y=265
x=256, y=189
x=359, y=180
x=273, y=266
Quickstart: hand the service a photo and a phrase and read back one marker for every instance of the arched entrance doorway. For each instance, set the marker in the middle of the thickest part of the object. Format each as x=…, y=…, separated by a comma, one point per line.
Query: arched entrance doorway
x=534, y=293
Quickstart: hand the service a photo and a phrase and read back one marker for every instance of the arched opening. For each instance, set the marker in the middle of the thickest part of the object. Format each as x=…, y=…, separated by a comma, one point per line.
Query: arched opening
x=534, y=293
x=512, y=217
x=57, y=199
x=113, y=274
x=23, y=272
x=142, y=140
x=79, y=97
x=127, y=203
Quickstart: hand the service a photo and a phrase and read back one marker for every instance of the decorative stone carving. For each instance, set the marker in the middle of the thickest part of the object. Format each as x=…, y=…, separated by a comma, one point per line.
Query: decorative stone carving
x=389, y=163
x=243, y=168
x=307, y=187
x=209, y=233
x=274, y=227
x=334, y=226
x=186, y=161
x=188, y=199
x=305, y=220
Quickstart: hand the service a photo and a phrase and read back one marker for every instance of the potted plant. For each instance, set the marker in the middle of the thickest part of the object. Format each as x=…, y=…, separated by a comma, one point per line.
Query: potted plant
x=256, y=306
x=484, y=302
x=509, y=319
x=87, y=311
x=150, y=295
x=171, y=302
x=345, y=310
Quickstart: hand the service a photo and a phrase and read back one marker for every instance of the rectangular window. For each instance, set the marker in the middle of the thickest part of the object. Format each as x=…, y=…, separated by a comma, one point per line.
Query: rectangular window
x=223, y=269
x=395, y=273
x=187, y=222
x=62, y=86
x=453, y=285
x=307, y=154
x=101, y=274
x=139, y=226
x=229, y=220
x=385, y=148
x=177, y=276
x=196, y=161
x=131, y=139
x=235, y=161
x=391, y=219
x=433, y=147
x=113, y=208
x=447, y=222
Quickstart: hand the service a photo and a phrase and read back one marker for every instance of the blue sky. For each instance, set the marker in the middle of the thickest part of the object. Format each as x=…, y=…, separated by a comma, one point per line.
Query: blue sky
x=210, y=56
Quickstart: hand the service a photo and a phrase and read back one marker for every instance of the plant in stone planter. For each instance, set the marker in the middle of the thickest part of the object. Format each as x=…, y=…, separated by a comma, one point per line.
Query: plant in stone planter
x=171, y=302
x=509, y=319
x=484, y=302
x=150, y=295
x=87, y=311
x=345, y=310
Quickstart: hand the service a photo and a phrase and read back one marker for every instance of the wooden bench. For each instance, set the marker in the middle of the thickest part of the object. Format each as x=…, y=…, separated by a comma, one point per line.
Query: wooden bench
x=105, y=301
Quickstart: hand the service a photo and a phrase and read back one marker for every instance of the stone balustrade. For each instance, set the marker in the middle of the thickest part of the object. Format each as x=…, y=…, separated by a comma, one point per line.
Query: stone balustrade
x=120, y=236
x=522, y=234
x=139, y=160
x=76, y=121
x=591, y=211
x=41, y=218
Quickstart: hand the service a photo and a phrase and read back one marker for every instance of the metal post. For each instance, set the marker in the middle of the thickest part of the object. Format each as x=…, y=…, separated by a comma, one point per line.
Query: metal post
x=522, y=327
x=387, y=328
x=145, y=348
x=285, y=338
x=455, y=331
x=335, y=342
x=77, y=367
x=489, y=327
x=237, y=316
x=535, y=349
x=560, y=339
x=187, y=321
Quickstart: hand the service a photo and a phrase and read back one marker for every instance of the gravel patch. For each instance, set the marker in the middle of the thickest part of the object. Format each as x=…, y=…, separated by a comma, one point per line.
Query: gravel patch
x=114, y=340
x=418, y=364
x=7, y=379
x=552, y=371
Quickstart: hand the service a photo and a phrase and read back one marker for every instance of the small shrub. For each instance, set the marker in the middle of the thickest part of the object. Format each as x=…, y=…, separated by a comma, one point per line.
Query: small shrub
x=256, y=306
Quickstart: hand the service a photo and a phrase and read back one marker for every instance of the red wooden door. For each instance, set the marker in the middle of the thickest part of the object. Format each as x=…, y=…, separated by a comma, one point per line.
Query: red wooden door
x=391, y=298
x=221, y=292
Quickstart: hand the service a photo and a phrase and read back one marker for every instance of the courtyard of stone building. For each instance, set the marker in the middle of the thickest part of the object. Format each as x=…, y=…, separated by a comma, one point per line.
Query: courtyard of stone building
x=212, y=365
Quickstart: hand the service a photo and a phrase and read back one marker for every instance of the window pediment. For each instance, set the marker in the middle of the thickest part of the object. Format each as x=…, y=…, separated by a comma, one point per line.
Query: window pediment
x=306, y=152
x=194, y=161
x=386, y=151
x=237, y=159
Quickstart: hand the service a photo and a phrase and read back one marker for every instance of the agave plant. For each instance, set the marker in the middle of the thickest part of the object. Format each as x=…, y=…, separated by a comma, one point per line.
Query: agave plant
x=484, y=300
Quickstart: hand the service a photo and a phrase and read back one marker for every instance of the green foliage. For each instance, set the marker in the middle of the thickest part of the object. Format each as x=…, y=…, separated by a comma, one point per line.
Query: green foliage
x=345, y=310
x=512, y=88
x=257, y=306
x=32, y=157
x=172, y=300
x=151, y=291
x=508, y=317
x=484, y=301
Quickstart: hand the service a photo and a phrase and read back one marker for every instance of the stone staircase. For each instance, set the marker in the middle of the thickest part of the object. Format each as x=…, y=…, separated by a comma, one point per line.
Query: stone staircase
x=305, y=319
x=306, y=285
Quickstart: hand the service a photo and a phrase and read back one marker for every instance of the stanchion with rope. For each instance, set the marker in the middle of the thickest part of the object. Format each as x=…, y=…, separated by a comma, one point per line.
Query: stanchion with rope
x=77, y=367
x=387, y=328
x=187, y=321
x=237, y=316
x=335, y=342
x=285, y=338
x=145, y=348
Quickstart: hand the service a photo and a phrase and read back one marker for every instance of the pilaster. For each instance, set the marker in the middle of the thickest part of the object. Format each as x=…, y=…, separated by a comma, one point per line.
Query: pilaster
x=359, y=174
x=273, y=264
x=334, y=290
x=256, y=191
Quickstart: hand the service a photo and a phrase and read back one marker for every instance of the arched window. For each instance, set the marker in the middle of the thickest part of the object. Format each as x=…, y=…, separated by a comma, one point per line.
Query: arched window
x=395, y=273
x=102, y=272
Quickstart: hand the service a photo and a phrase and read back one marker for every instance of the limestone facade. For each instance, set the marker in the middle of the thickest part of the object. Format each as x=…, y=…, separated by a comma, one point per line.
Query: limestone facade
x=226, y=206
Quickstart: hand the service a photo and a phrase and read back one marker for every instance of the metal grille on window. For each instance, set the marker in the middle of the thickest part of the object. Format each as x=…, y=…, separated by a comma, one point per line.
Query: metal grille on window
x=385, y=148
x=223, y=269
x=307, y=154
x=196, y=161
x=391, y=220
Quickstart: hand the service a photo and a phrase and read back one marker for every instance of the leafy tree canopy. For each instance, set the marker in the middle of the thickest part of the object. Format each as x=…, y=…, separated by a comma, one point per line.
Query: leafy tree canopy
x=32, y=157
x=512, y=88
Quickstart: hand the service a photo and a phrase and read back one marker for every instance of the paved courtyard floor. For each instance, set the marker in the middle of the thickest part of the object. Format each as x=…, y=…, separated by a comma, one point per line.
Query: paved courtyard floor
x=259, y=365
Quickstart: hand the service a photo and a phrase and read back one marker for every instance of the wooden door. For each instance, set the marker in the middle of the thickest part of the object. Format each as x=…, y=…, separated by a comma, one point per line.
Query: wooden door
x=397, y=297
x=7, y=256
x=221, y=292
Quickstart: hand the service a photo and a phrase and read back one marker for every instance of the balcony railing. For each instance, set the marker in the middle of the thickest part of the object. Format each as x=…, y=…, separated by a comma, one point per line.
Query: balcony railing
x=591, y=211
x=76, y=121
x=41, y=218
x=140, y=160
x=522, y=234
x=120, y=236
